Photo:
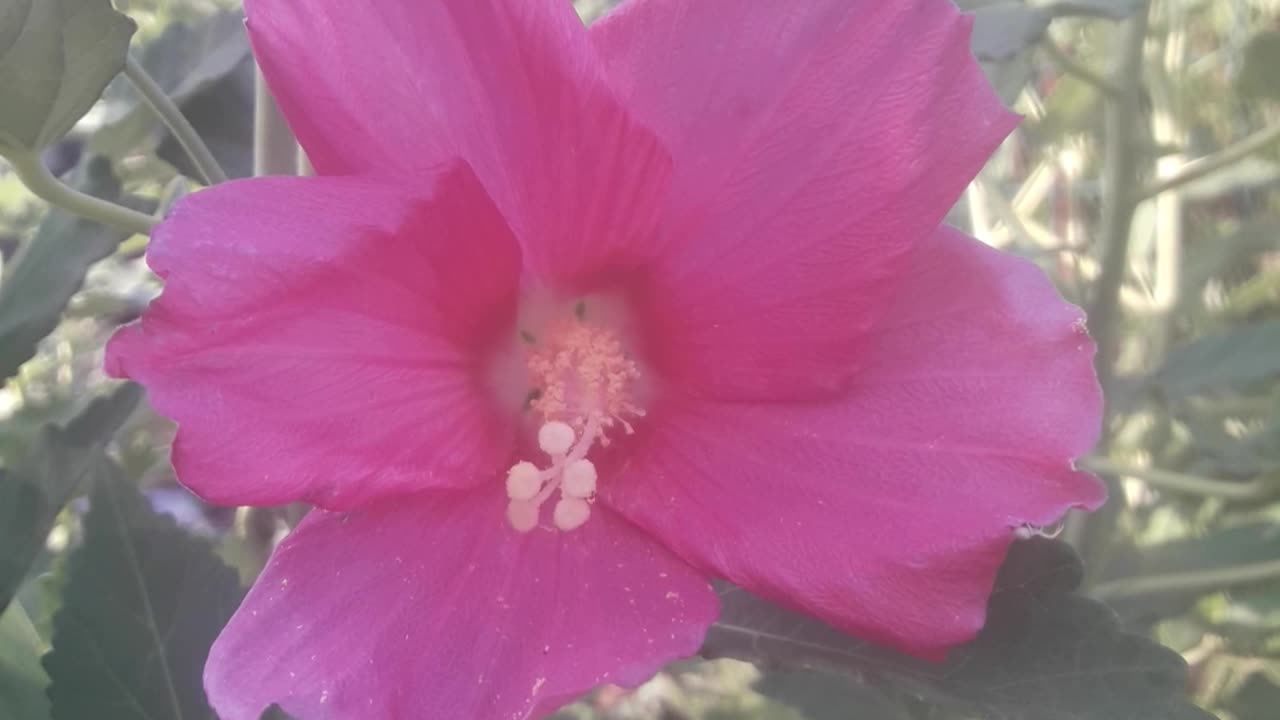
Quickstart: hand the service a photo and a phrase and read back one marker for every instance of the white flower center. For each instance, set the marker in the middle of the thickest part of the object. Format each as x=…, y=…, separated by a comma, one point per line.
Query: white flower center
x=584, y=385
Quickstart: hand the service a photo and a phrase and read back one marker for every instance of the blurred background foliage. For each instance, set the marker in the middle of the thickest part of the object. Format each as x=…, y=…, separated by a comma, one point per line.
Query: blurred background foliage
x=1145, y=180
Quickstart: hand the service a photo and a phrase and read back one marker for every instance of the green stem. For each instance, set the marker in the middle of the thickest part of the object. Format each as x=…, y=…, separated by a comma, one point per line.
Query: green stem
x=1210, y=164
x=32, y=172
x=1196, y=581
x=1121, y=170
x=1180, y=482
x=210, y=172
x=1122, y=112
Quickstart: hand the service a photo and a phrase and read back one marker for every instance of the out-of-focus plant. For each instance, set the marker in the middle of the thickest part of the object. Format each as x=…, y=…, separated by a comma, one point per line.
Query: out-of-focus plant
x=1145, y=179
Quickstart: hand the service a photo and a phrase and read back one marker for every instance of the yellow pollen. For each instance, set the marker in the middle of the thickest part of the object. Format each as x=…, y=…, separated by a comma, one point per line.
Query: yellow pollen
x=584, y=384
x=583, y=374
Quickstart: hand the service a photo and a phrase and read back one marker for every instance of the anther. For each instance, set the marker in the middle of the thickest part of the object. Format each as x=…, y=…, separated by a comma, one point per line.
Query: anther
x=570, y=513
x=523, y=481
x=579, y=479
x=555, y=438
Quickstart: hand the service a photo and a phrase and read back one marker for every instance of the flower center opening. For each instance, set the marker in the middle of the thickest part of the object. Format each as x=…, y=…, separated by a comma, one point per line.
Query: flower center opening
x=584, y=388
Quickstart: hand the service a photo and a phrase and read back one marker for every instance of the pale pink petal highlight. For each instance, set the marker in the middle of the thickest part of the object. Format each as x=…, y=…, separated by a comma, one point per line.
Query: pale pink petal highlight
x=510, y=85
x=324, y=339
x=888, y=512
x=815, y=144
x=433, y=607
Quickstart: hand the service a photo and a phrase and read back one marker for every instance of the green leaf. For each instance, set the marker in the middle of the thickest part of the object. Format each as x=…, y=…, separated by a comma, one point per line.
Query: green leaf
x=1045, y=654
x=143, y=602
x=51, y=268
x=1258, y=698
x=206, y=68
x=1258, y=78
x=1235, y=357
x=821, y=695
x=33, y=493
x=22, y=680
x=56, y=57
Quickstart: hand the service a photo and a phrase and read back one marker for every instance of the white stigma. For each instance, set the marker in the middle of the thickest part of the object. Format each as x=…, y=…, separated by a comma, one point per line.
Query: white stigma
x=523, y=481
x=570, y=473
x=523, y=515
x=571, y=513
x=579, y=479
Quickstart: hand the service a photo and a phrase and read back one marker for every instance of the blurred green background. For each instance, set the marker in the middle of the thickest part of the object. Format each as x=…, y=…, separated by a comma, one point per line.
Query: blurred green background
x=1145, y=180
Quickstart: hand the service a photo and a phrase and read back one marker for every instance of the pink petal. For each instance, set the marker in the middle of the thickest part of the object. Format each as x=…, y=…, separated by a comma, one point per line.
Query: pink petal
x=888, y=512
x=433, y=607
x=512, y=86
x=323, y=339
x=815, y=143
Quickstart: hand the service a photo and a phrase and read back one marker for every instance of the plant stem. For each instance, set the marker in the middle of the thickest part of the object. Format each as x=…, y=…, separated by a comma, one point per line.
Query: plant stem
x=1092, y=535
x=1209, y=164
x=1199, y=580
x=210, y=172
x=1180, y=482
x=274, y=149
x=32, y=172
x=1121, y=169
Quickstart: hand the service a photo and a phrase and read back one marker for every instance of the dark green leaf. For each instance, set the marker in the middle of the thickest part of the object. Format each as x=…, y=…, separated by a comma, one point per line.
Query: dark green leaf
x=222, y=114
x=275, y=713
x=1045, y=654
x=1236, y=357
x=1229, y=256
x=143, y=602
x=821, y=695
x=33, y=493
x=1258, y=78
x=56, y=57
x=1258, y=698
x=205, y=66
x=51, y=268
x=22, y=680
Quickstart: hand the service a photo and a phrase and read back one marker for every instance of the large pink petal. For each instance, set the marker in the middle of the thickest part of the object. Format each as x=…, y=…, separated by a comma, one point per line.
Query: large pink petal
x=512, y=86
x=887, y=512
x=815, y=143
x=433, y=607
x=323, y=339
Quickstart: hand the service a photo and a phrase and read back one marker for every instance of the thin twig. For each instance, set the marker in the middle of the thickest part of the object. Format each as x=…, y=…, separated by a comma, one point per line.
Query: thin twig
x=1198, y=580
x=1121, y=169
x=1181, y=482
x=1122, y=112
x=1210, y=164
x=210, y=172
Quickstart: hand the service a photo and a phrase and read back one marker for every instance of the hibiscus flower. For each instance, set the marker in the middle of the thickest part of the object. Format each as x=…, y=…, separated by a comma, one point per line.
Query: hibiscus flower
x=575, y=319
